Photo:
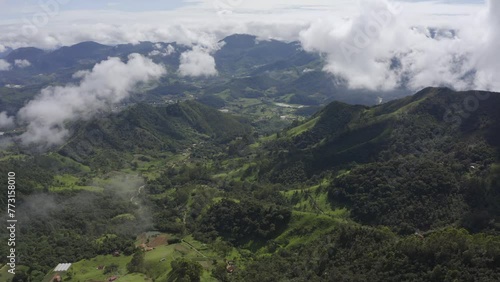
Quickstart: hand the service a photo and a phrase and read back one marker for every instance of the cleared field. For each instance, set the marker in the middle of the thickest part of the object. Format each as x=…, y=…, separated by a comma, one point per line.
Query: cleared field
x=88, y=270
x=157, y=262
x=4, y=275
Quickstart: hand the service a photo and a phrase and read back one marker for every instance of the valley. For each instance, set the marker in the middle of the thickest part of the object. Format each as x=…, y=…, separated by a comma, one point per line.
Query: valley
x=391, y=180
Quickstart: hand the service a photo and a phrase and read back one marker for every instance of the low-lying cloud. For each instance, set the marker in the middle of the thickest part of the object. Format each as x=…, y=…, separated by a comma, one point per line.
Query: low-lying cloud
x=107, y=84
x=197, y=62
x=4, y=65
x=162, y=51
x=380, y=50
x=399, y=51
x=6, y=121
x=359, y=49
x=22, y=63
x=487, y=60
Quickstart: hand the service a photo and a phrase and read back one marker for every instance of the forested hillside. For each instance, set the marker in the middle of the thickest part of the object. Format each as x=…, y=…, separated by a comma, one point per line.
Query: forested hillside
x=144, y=129
x=403, y=191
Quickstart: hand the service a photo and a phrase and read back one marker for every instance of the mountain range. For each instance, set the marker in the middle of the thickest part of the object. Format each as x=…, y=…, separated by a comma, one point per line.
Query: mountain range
x=291, y=74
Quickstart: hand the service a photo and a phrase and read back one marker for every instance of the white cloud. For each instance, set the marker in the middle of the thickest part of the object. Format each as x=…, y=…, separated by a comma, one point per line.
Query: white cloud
x=109, y=83
x=22, y=63
x=381, y=50
x=486, y=55
x=2, y=48
x=321, y=25
x=359, y=49
x=170, y=50
x=4, y=65
x=197, y=62
x=162, y=52
x=155, y=53
x=6, y=121
x=277, y=19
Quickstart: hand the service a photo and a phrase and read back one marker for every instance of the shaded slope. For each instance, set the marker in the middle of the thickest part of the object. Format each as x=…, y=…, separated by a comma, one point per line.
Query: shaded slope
x=149, y=130
x=415, y=163
x=343, y=133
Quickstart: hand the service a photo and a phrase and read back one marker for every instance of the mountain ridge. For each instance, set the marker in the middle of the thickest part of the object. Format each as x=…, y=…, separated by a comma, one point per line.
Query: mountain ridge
x=146, y=129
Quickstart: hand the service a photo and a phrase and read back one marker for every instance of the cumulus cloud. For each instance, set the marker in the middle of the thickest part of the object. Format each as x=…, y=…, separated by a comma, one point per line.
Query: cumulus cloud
x=427, y=43
x=197, y=62
x=6, y=121
x=359, y=49
x=2, y=48
x=161, y=51
x=107, y=84
x=380, y=50
x=486, y=57
x=22, y=63
x=4, y=65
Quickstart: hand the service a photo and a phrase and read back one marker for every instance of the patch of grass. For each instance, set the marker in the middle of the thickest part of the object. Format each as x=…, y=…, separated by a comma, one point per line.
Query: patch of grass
x=314, y=199
x=123, y=218
x=104, y=237
x=306, y=227
x=68, y=162
x=218, y=199
x=302, y=128
x=66, y=182
x=76, y=188
x=13, y=157
x=372, y=115
x=135, y=277
x=5, y=275
x=86, y=270
x=158, y=260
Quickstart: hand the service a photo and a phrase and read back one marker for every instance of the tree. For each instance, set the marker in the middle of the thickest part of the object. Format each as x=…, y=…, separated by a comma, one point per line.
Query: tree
x=137, y=262
x=185, y=270
x=219, y=272
x=20, y=276
x=112, y=268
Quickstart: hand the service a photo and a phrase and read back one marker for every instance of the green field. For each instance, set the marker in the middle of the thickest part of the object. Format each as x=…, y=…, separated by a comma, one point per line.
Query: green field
x=87, y=270
x=157, y=264
x=4, y=274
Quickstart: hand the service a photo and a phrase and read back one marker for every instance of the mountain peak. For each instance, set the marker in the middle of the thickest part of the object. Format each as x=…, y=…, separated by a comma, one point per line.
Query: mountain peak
x=239, y=41
x=24, y=53
x=88, y=44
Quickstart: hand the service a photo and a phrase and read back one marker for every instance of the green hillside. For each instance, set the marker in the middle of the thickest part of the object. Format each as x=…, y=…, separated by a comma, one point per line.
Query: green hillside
x=149, y=130
x=403, y=191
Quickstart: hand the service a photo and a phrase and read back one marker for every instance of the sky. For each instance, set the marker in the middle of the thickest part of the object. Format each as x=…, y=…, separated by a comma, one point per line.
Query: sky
x=16, y=8
x=52, y=23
